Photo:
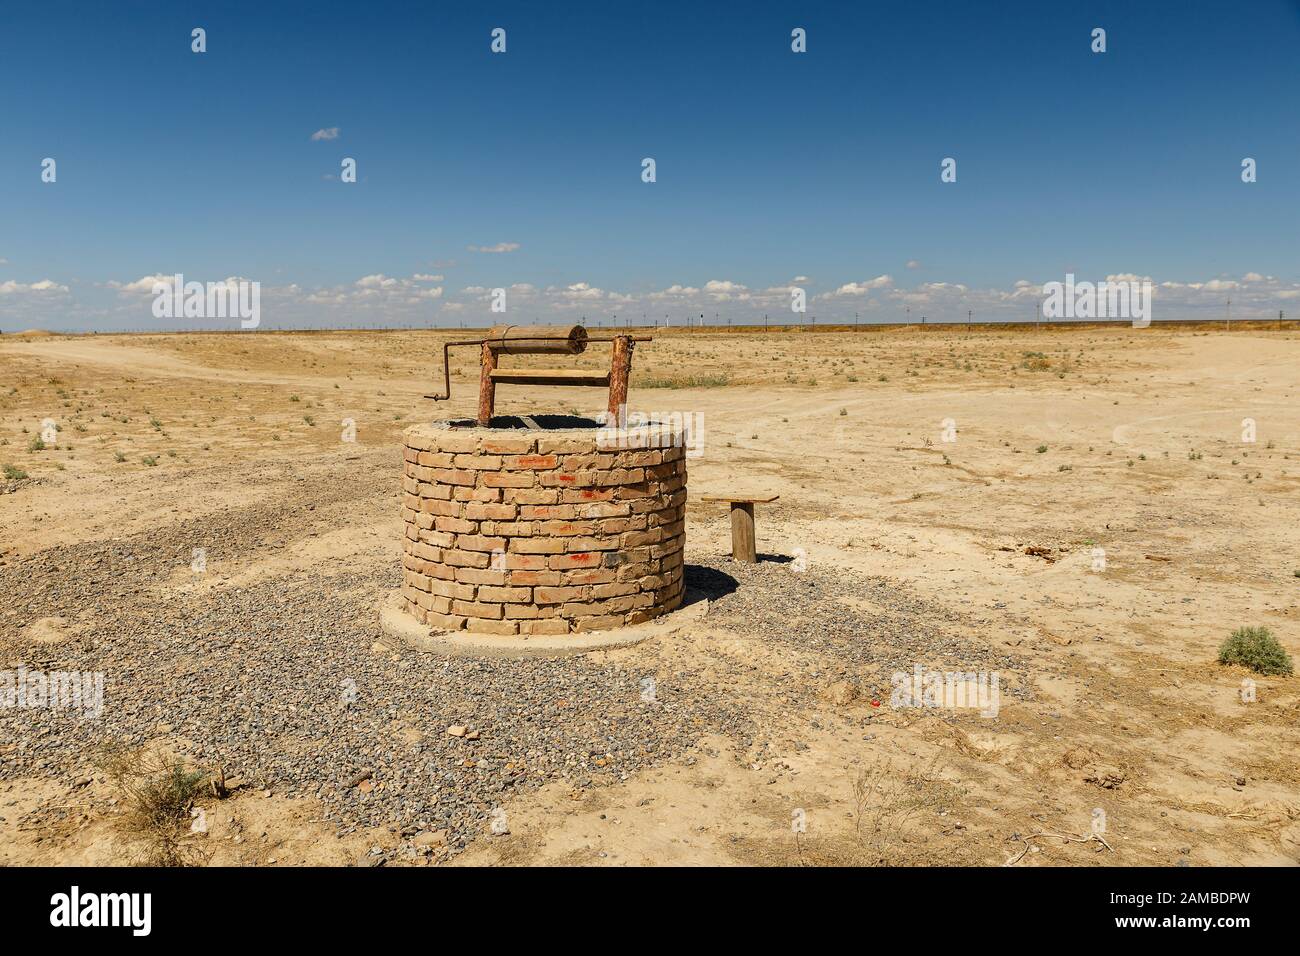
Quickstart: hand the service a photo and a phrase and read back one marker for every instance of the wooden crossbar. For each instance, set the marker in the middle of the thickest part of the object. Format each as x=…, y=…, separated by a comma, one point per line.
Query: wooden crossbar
x=563, y=376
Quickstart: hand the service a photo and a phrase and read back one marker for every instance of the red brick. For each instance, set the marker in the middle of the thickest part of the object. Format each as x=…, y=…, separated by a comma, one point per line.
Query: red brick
x=508, y=479
x=577, y=559
x=531, y=462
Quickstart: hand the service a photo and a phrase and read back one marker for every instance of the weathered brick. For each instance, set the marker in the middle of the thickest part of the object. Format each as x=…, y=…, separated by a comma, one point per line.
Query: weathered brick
x=481, y=626
x=466, y=559
x=456, y=526
x=454, y=476
x=426, y=552
x=582, y=495
x=613, y=590
x=636, y=539
x=478, y=462
x=604, y=509
x=510, y=479
x=531, y=462
x=578, y=559
x=504, y=594
x=477, y=609
x=510, y=445
x=537, y=545
x=589, y=576
x=586, y=543
x=439, y=492
x=449, y=440
x=525, y=562
x=568, y=479
x=448, y=622
x=478, y=493
x=530, y=578
x=639, y=490
x=617, y=526
x=481, y=576
x=435, y=459
x=573, y=463
x=414, y=437
x=521, y=612
x=509, y=529
x=478, y=542
x=637, y=459
x=566, y=528
x=558, y=595
x=589, y=608
x=441, y=570
x=562, y=446
x=451, y=589
x=532, y=496
x=495, y=511
x=439, y=539
x=547, y=626
x=549, y=512
x=441, y=509
x=598, y=623
x=669, y=485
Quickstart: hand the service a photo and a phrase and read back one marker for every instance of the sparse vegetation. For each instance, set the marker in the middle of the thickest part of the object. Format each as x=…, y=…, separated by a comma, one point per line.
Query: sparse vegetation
x=686, y=381
x=1256, y=648
x=156, y=793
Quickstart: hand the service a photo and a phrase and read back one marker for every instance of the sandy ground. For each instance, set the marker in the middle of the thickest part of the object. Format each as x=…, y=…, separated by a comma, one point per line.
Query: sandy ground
x=1062, y=442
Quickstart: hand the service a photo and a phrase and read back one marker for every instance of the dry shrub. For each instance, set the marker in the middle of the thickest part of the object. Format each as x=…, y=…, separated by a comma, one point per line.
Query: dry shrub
x=156, y=794
x=887, y=798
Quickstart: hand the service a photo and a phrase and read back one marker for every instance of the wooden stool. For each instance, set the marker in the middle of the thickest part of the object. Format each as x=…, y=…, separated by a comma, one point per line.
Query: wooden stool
x=743, y=545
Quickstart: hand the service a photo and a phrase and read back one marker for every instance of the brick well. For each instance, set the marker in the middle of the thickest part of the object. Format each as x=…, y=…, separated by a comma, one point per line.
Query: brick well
x=525, y=531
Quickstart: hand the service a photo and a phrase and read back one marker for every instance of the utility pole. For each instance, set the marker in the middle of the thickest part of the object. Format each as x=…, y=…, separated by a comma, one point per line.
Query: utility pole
x=1227, y=319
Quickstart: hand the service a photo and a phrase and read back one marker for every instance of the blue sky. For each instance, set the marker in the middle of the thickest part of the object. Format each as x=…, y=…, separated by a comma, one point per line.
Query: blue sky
x=773, y=167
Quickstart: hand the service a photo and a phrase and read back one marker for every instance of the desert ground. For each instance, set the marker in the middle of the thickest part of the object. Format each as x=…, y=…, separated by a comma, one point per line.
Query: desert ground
x=770, y=738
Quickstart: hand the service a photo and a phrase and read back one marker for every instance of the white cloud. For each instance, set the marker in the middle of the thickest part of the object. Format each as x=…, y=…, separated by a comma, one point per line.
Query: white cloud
x=862, y=288
x=421, y=277
x=43, y=286
x=141, y=286
x=330, y=132
x=913, y=263
x=499, y=247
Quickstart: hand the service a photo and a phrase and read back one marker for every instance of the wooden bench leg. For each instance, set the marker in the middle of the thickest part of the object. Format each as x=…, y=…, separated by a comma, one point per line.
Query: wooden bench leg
x=742, y=532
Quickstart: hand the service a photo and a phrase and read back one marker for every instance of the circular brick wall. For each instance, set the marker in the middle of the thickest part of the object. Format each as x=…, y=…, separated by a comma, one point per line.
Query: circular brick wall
x=517, y=531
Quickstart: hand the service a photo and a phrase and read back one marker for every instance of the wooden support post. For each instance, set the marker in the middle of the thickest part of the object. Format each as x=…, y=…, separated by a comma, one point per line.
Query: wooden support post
x=620, y=369
x=743, y=546
x=487, y=388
